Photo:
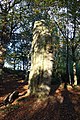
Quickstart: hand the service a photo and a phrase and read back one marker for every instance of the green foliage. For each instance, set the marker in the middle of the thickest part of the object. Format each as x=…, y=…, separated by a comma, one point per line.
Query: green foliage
x=18, y=52
x=63, y=22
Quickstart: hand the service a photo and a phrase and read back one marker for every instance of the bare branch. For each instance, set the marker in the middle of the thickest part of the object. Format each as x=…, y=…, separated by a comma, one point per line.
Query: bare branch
x=13, y=4
x=1, y=6
x=60, y=30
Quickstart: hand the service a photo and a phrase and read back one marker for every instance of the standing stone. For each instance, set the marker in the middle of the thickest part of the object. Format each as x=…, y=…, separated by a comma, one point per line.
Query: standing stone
x=41, y=60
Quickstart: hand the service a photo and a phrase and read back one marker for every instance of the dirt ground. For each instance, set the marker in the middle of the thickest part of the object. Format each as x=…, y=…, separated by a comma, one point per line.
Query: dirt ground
x=62, y=104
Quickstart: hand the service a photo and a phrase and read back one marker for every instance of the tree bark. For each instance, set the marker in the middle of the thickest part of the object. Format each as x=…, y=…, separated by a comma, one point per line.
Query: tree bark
x=67, y=62
x=74, y=73
x=74, y=67
x=41, y=60
x=2, y=54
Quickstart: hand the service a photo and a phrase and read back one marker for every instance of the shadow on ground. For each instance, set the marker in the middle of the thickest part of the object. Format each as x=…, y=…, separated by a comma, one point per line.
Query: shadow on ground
x=11, y=82
x=64, y=104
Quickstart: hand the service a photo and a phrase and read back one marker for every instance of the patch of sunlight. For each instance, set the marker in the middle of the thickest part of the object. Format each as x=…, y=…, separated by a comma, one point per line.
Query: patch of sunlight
x=1, y=98
x=20, y=81
x=69, y=87
x=39, y=23
x=61, y=86
x=25, y=87
x=57, y=91
x=1, y=52
x=42, y=86
x=60, y=99
x=1, y=60
x=59, y=96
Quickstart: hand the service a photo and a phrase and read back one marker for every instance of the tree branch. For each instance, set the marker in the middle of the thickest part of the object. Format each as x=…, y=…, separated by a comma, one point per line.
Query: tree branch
x=14, y=3
x=1, y=7
x=60, y=30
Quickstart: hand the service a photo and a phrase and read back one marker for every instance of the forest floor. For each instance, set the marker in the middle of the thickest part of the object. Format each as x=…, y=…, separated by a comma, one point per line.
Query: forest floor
x=62, y=104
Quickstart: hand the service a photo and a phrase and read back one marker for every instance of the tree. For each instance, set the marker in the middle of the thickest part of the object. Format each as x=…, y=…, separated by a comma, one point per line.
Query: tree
x=18, y=51
x=6, y=26
x=68, y=12
x=74, y=14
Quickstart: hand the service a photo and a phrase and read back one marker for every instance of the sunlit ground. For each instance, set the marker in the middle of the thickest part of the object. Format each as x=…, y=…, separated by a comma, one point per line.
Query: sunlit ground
x=62, y=104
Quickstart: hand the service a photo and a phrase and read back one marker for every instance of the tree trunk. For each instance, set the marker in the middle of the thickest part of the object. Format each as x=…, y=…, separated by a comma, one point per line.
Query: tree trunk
x=74, y=67
x=14, y=65
x=41, y=60
x=2, y=53
x=74, y=73
x=4, y=40
x=23, y=63
x=67, y=64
